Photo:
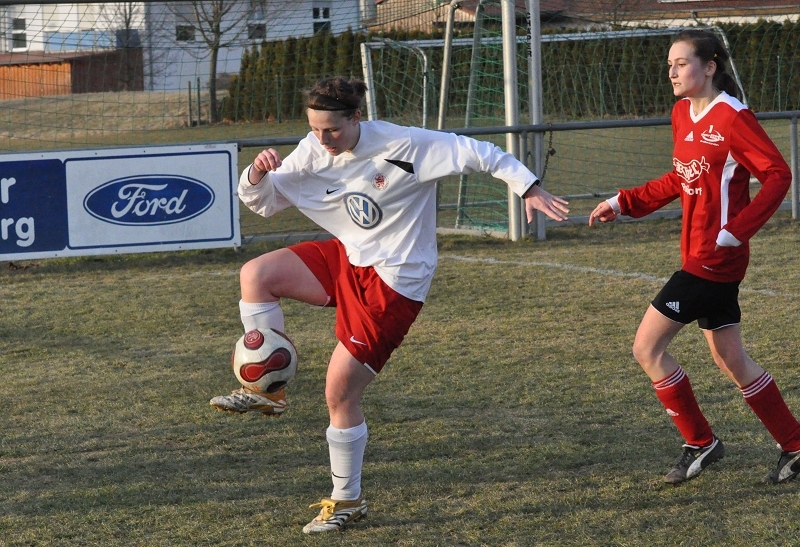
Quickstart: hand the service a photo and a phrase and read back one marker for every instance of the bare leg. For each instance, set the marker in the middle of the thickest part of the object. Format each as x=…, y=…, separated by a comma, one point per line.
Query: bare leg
x=672, y=386
x=347, y=434
x=650, y=345
x=730, y=356
x=344, y=386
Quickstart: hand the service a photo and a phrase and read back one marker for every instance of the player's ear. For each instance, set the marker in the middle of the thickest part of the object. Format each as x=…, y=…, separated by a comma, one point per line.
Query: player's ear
x=356, y=116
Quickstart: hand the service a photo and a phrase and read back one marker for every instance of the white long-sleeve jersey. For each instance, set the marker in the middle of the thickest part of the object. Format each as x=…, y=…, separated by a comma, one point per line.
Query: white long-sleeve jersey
x=379, y=199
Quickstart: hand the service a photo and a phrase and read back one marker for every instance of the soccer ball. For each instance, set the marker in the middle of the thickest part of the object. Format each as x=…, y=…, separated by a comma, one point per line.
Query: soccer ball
x=264, y=360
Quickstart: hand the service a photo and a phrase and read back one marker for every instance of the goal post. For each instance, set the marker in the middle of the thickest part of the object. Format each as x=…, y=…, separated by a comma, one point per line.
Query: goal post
x=496, y=77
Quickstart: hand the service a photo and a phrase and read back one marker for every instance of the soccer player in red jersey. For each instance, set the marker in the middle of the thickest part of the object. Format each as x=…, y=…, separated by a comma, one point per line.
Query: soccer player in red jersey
x=718, y=144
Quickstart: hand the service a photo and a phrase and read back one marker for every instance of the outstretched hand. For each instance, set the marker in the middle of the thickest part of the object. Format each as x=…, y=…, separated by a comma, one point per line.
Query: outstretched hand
x=603, y=212
x=539, y=199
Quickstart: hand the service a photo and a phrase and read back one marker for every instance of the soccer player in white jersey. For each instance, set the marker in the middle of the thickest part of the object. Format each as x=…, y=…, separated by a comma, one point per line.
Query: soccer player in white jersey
x=718, y=144
x=371, y=184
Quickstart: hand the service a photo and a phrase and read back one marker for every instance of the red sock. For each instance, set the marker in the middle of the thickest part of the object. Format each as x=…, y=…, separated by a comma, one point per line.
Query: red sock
x=675, y=393
x=766, y=400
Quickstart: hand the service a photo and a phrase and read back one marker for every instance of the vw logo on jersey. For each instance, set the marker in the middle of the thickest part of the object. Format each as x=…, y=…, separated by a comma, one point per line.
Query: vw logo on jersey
x=149, y=200
x=363, y=210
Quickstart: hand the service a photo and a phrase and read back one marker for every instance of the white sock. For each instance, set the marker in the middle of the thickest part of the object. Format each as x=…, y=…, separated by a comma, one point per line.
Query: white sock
x=266, y=315
x=347, y=456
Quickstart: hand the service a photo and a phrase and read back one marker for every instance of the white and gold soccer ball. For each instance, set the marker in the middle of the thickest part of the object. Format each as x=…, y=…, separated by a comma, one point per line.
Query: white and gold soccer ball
x=264, y=360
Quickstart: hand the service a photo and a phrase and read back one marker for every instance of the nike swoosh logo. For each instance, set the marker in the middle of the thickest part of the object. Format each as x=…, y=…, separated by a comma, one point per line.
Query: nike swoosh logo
x=329, y=191
x=353, y=340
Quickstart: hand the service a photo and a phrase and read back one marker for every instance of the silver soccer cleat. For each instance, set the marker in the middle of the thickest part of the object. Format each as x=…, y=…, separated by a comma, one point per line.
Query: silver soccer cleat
x=243, y=400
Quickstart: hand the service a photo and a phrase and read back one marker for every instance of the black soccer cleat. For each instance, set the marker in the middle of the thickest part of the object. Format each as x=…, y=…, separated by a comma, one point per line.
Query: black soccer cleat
x=694, y=460
x=788, y=468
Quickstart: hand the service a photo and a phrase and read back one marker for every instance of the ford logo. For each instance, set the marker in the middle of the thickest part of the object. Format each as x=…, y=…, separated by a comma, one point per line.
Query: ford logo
x=149, y=200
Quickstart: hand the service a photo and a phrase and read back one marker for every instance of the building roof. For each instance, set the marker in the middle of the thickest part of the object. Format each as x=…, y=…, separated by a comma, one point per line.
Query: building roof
x=403, y=12
x=666, y=8
x=40, y=58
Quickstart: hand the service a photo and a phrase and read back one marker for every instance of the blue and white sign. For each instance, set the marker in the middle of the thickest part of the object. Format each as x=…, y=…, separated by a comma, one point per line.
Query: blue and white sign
x=125, y=200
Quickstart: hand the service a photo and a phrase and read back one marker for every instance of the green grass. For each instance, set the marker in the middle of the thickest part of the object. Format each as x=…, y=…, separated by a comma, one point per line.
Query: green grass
x=513, y=414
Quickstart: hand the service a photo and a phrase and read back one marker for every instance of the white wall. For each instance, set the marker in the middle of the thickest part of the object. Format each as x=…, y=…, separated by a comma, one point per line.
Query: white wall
x=171, y=64
x=69, y=27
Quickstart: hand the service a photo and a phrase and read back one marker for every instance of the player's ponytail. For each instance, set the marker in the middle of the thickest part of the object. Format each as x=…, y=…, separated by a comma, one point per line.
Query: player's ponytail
x=708, y=47
x=337, y=95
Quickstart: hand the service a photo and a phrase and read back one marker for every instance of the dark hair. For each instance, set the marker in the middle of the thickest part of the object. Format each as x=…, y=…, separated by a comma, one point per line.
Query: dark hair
x=708, y=47
x=336, y=94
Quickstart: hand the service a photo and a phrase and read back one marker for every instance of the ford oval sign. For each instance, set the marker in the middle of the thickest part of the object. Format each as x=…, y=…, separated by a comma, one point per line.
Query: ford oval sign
x=149, y=200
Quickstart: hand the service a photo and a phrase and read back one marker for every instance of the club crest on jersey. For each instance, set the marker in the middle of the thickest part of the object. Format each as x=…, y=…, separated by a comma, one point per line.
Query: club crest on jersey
x=363, y=210
x=710, y=136
x=691, y=171
x=380, y=182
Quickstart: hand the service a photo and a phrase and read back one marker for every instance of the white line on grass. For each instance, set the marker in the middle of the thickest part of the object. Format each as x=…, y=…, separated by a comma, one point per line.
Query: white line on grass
x=598, y=271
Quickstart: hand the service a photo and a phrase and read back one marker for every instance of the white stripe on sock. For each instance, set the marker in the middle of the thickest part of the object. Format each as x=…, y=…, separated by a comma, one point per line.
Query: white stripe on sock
x=756, y=387
x=670, y=380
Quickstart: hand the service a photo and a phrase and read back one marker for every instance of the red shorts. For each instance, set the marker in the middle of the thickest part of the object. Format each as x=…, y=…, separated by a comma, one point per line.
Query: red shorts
x=371, y=318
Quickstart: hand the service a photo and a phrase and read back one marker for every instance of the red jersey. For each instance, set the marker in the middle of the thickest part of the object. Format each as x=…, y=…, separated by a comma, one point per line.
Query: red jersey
x=714, y=154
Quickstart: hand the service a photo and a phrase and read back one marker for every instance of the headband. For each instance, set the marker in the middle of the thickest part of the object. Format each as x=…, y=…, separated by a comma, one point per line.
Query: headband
x=326, y=102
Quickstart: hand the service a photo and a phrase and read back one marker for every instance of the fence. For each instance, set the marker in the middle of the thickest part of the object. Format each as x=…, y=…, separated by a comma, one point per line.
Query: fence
x=601, y=62
x=451, y=208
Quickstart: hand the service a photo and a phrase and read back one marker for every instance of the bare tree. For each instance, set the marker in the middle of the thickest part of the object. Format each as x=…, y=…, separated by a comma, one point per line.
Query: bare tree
x=219, y=23
x=126, y=19
x=135, y=30
x=616, y=12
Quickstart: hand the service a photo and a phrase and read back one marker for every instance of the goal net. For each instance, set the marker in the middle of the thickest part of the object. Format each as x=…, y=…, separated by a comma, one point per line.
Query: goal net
x=142, y=73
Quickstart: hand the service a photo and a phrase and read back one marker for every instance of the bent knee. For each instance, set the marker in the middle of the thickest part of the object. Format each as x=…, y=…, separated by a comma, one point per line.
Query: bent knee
x=265, y=270
x=248, y=272
x=252, y=272
x=644, y=353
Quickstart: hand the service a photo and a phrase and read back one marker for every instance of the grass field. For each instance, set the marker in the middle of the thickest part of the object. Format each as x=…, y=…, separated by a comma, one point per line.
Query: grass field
x=512, y=415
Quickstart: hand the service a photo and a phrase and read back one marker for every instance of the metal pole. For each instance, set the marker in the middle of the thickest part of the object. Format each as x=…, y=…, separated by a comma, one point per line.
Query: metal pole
x=778, y=85
x=795, y=171
x=149, y=38
x=425, y=84
x=736, y=77
x=536, y=100
x=366, y=66
x=471, y=90
x=515, y=208
x=473, y=63
x=444, y=87
x=199, y=118
x=191, y=122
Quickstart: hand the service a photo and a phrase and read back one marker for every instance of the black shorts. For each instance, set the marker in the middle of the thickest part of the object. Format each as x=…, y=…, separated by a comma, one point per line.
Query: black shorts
x=686, y=298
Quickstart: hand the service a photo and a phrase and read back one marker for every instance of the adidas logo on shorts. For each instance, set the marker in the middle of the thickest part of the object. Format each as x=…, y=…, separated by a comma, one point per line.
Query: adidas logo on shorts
x=674, y=306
